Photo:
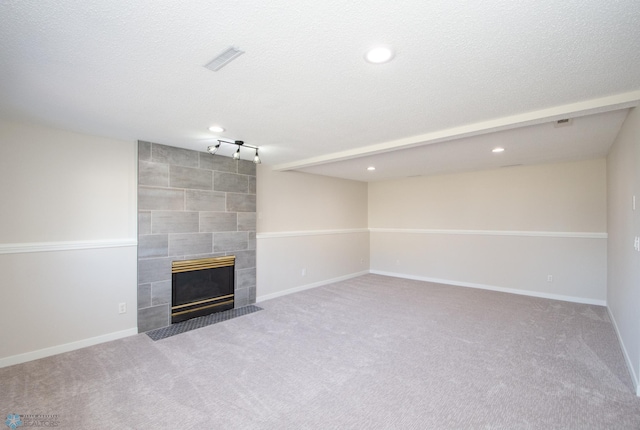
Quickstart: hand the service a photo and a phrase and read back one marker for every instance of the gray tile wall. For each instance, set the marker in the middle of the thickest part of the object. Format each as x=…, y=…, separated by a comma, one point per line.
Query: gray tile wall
x=191, y=205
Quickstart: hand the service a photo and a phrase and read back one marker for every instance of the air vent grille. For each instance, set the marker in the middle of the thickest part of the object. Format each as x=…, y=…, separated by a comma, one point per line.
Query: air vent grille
x=224, y=58
x=563, y=122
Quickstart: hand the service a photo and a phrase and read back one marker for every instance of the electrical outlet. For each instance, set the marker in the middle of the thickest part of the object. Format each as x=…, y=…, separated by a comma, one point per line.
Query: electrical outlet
x=549, y=278
x=122, y=308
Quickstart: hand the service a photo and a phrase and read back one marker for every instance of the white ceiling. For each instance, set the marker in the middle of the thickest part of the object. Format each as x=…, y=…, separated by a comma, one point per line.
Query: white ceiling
x=586, y=138
x=466, y=76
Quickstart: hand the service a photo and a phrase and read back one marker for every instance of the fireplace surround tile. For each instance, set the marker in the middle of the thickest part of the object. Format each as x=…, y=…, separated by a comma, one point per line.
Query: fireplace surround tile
x=190, y=243
x=245, y=278
x=252, y=241
x=153, y=317
x=174, y=156
x=230, y=182
x=241, y=202
x=198, y=200
x=153, y=245
x=144, y=222
x=187, y=177
x=247, y=168
x=242, y=297
x=154, y=269
x=144, y=151
x=230, y=241
x=245, y=259
x=246, y=221
x=219, y=164
x=197, y=221
x=153, y=174
x=161, y=293
x=174, y=222
x=218, y=221
x=144, y=296
x=153, y=198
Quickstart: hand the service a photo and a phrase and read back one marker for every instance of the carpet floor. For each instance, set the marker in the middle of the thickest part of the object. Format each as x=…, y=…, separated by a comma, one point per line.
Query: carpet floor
x=372, y=352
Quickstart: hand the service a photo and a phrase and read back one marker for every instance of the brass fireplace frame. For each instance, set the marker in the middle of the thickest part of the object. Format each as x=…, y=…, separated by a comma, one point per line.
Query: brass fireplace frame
x=201, y=305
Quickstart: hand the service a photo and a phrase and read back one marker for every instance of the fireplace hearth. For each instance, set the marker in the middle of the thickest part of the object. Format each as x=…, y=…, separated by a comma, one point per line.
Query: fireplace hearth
x=201, y=287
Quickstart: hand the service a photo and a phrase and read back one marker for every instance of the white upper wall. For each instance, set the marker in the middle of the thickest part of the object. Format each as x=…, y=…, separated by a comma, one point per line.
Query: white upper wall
x=65, y=186
x=567, y=197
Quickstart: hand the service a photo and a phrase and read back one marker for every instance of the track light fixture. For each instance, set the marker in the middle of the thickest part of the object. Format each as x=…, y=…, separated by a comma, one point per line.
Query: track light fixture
x=213, y=149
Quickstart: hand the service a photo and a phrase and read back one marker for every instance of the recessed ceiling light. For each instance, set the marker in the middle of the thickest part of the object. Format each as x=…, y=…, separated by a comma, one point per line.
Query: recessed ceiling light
x=216, y=129
x=371, y=168
x=498, y=149
x=379, y=54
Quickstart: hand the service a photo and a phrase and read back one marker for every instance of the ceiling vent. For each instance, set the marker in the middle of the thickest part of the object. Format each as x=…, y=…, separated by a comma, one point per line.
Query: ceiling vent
x=224, y=58
x=563, y=122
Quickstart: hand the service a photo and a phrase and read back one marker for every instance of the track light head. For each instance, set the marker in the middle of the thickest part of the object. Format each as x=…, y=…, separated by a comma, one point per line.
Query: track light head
x=213, y=149
x=256, y=159
x=236, y=155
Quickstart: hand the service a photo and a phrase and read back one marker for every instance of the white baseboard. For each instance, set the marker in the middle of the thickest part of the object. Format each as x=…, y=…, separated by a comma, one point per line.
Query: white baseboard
x=573, y=299
x=494, y=288
x=627, y=359
x=58, y=349
x=309, y=286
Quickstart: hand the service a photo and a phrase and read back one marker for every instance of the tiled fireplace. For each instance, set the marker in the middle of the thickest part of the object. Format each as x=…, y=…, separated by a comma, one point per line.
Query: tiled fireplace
x=191, y=205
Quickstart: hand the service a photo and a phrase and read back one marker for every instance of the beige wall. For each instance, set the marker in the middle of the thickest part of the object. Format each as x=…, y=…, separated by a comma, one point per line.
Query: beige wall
x=311, y=230
x=293, y=201
x=623, y=293
x=505, y=229
x=297, y=262
x=569, y=197
x=67, y=240
x=61, y=186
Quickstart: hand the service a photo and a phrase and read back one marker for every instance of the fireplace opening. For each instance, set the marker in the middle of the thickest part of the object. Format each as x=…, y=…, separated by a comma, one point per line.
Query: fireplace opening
x=201, y=287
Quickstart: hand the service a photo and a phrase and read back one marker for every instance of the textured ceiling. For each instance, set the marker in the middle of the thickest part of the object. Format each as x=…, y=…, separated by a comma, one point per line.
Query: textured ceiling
x=302, y=91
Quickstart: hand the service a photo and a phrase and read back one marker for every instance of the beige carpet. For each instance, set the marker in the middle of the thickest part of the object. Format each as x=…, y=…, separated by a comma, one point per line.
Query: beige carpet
x=372, y=352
